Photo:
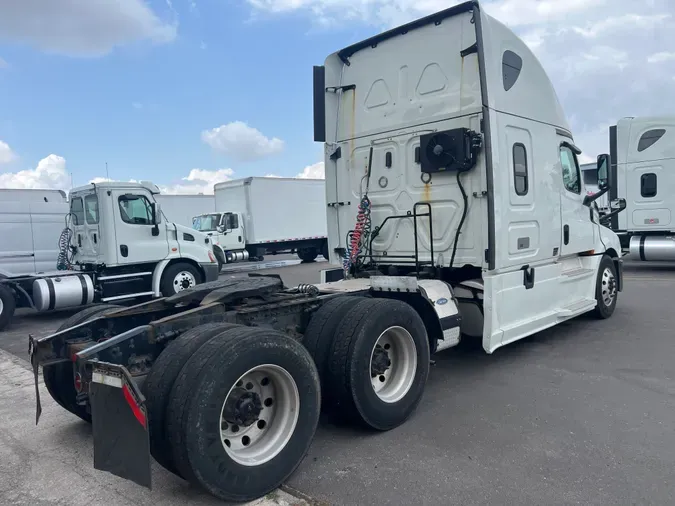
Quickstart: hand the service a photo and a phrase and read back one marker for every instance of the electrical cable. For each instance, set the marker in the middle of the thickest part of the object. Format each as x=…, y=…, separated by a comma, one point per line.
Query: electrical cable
x=465, y=210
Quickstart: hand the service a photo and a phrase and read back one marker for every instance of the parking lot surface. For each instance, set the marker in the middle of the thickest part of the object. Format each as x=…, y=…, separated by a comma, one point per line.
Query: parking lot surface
x=583, y=413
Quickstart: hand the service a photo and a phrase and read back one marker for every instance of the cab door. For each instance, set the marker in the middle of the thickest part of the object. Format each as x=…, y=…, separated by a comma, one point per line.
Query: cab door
x=134, y=227
x=232, y=237
x=84, y=219
x=578, y=231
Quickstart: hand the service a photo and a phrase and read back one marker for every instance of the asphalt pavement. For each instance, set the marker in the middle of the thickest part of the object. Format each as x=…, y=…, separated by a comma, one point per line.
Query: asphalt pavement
x=583, y=413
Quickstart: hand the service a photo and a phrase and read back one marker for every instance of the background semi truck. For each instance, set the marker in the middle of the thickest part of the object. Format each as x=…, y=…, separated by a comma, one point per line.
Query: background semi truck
x=259, y=215
x=643, y=180
x=115, y=247
x=450, y=226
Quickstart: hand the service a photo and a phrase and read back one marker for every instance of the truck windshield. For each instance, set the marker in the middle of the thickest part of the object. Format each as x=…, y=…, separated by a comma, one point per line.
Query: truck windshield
x=206, y=222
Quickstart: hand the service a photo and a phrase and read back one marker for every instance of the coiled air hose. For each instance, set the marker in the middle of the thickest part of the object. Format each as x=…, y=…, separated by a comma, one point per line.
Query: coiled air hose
x=63, y=261
x=358, y=238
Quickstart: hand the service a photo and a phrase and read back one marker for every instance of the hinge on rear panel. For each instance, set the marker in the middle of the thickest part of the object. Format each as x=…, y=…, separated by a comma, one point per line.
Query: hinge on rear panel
x=482, y=126
x=337, y=204
x=481, y=194
x=346, y=87
x=473, y=48
x=487, y=255
x=337, y=154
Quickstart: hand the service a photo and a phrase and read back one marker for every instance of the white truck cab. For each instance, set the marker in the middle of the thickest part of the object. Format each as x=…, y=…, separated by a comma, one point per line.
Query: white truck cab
x=116, y=246
x=119, y=227
x=449, y=156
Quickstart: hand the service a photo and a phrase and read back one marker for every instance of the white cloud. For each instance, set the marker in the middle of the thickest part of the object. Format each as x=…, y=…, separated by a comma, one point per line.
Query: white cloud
x=661, y=57
x=592, y=49
x=137, y=105
x=3, y=63
x=197, y=181
x=241, y=141
x=315, y=171
x=50, y=173
x=6, y=153
x=81, y=28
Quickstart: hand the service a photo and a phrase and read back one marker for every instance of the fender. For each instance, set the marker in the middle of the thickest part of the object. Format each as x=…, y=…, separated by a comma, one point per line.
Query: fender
x=441, y=298
x=433, y=300
x=157, y=275
x=218, y=250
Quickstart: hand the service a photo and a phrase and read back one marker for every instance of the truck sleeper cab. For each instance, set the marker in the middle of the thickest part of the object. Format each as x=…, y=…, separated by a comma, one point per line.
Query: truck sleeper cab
x=642, y=150
x=448, y=224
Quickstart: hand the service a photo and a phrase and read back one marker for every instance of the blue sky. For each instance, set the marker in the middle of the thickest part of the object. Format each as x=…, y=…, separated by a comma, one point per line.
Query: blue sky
x=158, y=88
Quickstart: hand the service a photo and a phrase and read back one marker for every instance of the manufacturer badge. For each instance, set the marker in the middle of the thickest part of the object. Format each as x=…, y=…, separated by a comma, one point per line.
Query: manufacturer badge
x=442, y=301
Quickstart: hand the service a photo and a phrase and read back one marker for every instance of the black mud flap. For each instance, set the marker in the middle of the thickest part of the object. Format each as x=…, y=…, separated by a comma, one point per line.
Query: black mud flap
x=32, y=354
x=120, y=424
x=618, y=264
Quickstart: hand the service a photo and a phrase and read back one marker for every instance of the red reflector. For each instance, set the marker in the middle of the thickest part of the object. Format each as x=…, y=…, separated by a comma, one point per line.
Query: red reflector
x=135, y=408
x=78, y=382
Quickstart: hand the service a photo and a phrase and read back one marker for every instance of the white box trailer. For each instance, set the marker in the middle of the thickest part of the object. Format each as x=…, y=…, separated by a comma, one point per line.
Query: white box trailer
x=181, y=209
x=259, y=215
x=30, y=224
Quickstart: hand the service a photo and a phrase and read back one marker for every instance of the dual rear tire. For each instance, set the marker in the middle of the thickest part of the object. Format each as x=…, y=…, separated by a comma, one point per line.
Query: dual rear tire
x=233, y=409
x=373, y=357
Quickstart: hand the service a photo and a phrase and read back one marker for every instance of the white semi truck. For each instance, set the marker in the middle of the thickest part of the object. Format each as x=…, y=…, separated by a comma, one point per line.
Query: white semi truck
x=259, y=215
x=115, y=247
x=457, y=206
x=642, y=180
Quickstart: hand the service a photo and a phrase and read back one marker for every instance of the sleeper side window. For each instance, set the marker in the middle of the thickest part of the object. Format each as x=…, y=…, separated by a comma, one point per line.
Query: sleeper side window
x=648, y=185
x=520, y=179
x=650, y=137
x=512, y=64
x=570, y=170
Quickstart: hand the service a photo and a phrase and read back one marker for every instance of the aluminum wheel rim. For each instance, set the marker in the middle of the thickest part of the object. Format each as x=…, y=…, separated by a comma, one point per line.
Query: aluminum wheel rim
x=392, y=384
x=267, y=436
x=184, y=280
x=608, y=287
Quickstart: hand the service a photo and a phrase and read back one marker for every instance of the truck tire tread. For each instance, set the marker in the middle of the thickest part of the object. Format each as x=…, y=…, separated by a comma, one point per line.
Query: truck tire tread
x=194, y=395
x=322, y=326
x=8, y=306
x=351, y=389
x=166, y=282
x=159, y=383
x=58, y=378
x=602, y=311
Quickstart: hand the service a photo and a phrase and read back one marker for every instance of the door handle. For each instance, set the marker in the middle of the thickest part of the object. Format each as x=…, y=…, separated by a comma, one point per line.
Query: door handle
x=566, y=234
x=124, y=250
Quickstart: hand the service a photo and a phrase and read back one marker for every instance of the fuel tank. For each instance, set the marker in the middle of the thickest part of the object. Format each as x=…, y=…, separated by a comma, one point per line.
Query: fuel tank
x=652, y=248
x=56, y=292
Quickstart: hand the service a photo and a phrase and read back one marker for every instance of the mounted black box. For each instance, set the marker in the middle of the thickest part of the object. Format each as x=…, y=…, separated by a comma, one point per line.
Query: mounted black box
x=445, y=151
